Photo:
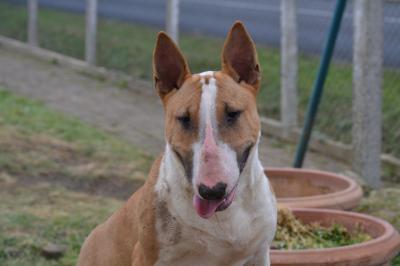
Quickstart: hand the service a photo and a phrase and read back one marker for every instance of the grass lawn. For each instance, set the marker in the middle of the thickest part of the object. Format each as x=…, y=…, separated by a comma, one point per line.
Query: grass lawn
x=59, y=178
x=128, y=47
x=385, y=204
x=33, y=217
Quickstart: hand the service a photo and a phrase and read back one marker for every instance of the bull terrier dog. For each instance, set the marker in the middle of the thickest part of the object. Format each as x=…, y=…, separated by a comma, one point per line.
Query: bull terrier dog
x=206, y=200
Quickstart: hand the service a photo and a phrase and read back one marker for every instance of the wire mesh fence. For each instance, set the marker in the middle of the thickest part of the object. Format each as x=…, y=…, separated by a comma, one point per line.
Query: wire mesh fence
x=391, y=79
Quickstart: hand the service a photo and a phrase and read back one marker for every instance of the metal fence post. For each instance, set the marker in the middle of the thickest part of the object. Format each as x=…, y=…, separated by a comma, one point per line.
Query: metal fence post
x=367, y=87
x=288, y=65
x=172, y=19
x=318, y=86
x=32, y=22
x=91, y=28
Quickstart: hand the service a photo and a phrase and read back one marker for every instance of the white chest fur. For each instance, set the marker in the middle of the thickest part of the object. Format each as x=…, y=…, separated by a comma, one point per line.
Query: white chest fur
x=230, y=237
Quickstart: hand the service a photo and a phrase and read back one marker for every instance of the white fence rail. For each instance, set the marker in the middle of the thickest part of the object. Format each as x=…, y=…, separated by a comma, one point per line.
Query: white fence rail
x=32, y=22
x=288, y=65
x=367, y=89
x=91, y=31
x=172, y=19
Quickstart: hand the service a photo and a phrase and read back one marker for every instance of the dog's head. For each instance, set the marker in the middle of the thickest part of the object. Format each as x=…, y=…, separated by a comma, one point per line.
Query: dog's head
x=211, y=119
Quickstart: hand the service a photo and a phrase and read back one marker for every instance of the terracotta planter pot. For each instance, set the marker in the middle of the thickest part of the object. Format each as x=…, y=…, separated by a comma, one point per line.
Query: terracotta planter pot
x=305, y=188
x=378, y=251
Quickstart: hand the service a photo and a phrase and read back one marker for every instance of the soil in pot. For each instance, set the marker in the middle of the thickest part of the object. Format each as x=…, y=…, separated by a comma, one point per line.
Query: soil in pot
x=292, y=234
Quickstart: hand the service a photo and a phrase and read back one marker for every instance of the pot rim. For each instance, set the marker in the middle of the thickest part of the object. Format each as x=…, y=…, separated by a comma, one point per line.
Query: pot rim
x=389, y=232
x=352, y=185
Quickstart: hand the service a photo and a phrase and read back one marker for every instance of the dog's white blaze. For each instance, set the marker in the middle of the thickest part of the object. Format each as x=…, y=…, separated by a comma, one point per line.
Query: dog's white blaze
x=207, y=114
x=207, y=102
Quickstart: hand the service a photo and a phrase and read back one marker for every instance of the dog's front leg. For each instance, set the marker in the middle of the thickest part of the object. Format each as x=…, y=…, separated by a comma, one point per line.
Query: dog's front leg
x=260, y=258
x=140, y=258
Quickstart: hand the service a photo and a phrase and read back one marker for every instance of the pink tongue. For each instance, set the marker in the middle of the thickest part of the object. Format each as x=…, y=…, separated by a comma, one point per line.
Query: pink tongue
x=205, y=208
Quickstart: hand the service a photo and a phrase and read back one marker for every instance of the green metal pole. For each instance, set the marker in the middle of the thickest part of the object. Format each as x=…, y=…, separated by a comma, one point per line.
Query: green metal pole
x=319, y=82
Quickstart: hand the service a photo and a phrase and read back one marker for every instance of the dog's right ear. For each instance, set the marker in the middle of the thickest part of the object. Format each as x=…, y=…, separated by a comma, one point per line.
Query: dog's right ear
x=169, y=66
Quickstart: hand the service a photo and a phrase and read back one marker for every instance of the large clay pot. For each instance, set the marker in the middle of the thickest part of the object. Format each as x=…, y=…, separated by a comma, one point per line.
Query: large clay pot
x=378, y=251
x=304, y=188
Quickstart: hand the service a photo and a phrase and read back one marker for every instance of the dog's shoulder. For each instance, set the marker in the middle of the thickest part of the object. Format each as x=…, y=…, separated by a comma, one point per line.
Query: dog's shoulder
x=146, y=249
x=129, y=234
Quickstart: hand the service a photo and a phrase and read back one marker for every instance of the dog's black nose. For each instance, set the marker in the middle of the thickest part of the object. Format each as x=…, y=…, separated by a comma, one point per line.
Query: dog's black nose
x=215, y=193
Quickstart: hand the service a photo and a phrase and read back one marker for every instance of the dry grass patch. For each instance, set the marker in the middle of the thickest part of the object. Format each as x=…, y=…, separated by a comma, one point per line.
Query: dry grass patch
x=36, y=216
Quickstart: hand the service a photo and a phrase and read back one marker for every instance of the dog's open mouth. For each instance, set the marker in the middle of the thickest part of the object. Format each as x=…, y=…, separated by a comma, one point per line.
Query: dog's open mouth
x=206, y=208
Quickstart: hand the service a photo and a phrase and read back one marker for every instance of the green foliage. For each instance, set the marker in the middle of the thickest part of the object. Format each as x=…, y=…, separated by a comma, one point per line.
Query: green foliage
x=396, y=261
x=293, y=234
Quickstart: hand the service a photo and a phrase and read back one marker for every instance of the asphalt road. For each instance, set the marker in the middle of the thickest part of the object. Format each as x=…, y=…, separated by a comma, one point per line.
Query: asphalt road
x=214, y=17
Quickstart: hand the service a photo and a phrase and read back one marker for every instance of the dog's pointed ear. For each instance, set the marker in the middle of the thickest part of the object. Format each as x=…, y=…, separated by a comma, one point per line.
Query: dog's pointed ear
x=169, y=66
x=239, y=56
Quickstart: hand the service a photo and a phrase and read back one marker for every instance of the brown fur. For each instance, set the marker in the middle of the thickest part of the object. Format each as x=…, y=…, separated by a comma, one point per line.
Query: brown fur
x=169, y=66
x=185, y=101
x=237, y=97
x=128, y=237
x=239, y=57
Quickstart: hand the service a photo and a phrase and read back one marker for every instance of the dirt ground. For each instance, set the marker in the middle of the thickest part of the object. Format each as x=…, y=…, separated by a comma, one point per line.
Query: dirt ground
x=134, y=114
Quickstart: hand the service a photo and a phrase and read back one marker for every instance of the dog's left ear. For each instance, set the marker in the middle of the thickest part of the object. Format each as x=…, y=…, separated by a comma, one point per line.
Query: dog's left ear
x=239, y=56
x=169, y=66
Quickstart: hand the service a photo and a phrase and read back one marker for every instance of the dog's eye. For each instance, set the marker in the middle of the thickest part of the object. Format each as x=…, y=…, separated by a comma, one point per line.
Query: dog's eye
x=232, y=116
x=184, y=120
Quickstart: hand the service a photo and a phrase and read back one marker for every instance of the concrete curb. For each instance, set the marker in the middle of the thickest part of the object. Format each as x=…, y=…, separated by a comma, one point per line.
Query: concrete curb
x=274, y=128
x=77, y=65
x=333, y=149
